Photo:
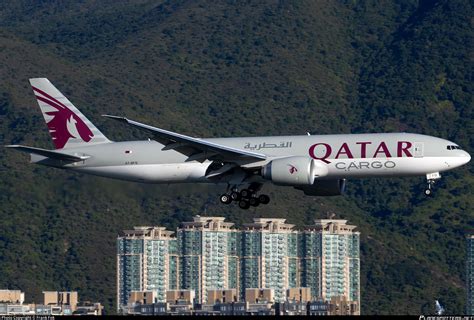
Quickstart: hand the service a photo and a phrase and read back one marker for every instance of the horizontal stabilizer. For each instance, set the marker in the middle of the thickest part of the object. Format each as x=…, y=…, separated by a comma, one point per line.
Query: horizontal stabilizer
x=48, y=153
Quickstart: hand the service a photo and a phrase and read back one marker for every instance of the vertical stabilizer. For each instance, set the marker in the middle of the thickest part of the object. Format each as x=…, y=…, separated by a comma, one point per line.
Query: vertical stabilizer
x=67, y=126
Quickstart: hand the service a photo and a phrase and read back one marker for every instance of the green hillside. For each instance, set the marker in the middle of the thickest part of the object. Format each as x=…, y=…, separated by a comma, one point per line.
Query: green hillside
x=231, y=68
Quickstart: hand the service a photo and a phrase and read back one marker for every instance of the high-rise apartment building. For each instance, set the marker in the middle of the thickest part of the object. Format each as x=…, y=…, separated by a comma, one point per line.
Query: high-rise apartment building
x=269, y=256
x=209, y=255
x=470, y=275
x=331, y=263
x=147, y=260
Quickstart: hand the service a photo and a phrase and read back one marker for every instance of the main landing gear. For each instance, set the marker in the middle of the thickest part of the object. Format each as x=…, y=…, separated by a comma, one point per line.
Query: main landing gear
x=431, y=179
x=246, y=198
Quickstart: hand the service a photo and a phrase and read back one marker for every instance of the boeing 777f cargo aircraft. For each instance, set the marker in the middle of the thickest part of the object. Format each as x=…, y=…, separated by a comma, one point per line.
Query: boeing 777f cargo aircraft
x=316, y=164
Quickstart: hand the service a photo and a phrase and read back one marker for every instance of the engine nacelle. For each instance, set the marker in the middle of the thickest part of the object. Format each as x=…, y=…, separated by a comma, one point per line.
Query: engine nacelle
x=294, y=171
x=325, y=188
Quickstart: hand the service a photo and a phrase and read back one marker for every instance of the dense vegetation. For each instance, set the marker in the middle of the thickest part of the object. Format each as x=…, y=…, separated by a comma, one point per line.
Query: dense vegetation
x=208, y=68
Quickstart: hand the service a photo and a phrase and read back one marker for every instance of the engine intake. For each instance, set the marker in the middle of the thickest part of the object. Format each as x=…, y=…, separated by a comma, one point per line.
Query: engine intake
x=294, y=171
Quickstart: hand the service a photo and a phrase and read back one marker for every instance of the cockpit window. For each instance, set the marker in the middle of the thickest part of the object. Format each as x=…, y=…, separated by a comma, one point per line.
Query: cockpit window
x=452, y=147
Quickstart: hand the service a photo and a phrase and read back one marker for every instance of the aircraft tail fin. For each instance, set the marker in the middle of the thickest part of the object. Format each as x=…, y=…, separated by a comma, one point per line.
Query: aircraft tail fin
x=67, y=126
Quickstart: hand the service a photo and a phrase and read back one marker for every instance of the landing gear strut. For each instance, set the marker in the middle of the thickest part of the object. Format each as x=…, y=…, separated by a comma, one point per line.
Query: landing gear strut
x=246, y=197
x=431, y=179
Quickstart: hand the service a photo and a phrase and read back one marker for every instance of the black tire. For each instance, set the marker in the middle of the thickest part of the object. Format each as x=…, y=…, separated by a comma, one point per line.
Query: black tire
x=225, y=198
x=235, y=196
x=428, y=192
x=254, y=202
x=264, y=199
x=244, y=204
x=245, y=193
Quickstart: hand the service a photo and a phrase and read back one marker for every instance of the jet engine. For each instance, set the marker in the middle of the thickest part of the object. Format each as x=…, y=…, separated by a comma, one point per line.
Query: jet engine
x=325, y=188
x=293, y=171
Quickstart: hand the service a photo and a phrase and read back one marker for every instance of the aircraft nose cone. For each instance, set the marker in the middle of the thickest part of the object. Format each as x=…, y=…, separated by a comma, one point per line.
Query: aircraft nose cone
x=459, y=159
x=467, y=157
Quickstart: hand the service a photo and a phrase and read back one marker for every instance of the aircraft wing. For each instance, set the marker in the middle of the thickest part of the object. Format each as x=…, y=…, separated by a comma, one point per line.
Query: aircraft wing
x=196, y=149
x=48, y=153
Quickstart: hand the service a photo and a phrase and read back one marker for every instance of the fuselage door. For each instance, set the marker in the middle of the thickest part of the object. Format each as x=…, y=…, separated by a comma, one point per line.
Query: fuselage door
x=418, y=150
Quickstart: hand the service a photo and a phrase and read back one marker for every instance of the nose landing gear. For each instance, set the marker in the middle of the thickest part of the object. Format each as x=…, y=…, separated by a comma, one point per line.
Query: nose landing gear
x=428, y=191
x=431, y=179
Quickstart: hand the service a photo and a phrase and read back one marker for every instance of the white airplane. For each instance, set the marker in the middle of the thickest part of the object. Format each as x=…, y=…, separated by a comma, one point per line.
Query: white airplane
x=316, y=164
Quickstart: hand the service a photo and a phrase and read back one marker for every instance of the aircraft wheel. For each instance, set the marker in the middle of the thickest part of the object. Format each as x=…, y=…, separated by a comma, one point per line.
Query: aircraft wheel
x=225, y=198
x=244, y=204
x=246, y=193
x=264, y=199
x=254, y=202
x=428, y=192
x=235, y=196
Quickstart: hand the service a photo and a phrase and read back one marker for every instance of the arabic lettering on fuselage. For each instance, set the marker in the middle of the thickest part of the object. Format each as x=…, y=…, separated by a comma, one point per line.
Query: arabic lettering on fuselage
x=264, y=145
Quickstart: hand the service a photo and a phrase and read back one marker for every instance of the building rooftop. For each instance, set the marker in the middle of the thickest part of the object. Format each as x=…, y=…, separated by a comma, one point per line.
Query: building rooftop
x=269, y=224
x=153, y=232
x=211, y=223
x=337, y=226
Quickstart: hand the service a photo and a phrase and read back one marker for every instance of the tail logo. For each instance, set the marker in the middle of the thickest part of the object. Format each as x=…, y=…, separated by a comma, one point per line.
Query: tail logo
x=64, y=124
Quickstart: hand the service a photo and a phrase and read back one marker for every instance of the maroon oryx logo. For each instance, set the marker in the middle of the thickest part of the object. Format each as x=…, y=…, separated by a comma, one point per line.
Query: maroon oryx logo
x=292, y=169
x=62, y=116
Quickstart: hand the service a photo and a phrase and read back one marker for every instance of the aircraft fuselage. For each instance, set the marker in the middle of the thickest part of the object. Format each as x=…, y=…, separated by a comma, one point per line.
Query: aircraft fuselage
x=345, y=155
